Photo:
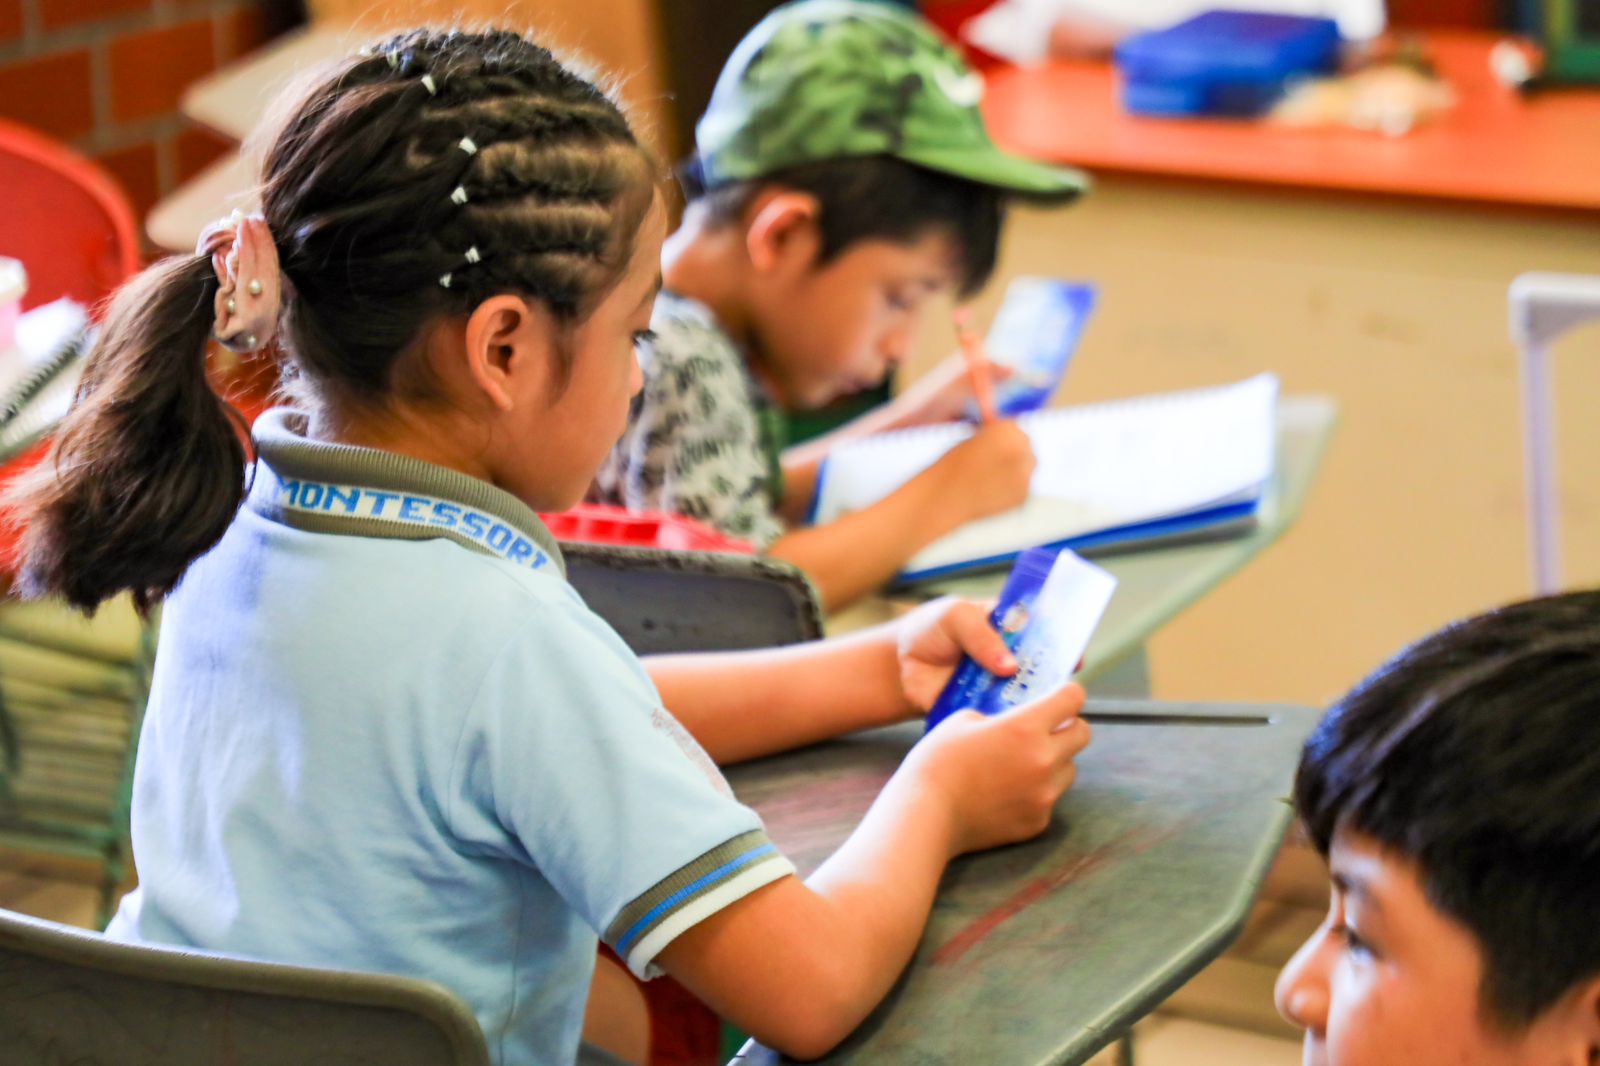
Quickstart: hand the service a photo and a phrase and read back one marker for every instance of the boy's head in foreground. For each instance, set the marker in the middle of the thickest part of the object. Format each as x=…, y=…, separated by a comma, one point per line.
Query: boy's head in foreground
x=843, y=165
x=1456, y=794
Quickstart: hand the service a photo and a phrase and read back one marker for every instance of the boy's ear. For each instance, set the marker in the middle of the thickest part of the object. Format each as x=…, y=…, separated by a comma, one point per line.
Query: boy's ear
x=1586, y=1008
x=509, y=349
x=1591, y=999
x=782, y=228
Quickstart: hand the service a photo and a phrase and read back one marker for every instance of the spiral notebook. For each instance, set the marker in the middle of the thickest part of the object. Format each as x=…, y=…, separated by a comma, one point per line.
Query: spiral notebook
x=39, y=373
x=1110, y=476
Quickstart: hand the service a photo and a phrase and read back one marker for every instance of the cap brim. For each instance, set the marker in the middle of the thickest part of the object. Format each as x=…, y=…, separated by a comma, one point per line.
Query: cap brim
x=1023, y=177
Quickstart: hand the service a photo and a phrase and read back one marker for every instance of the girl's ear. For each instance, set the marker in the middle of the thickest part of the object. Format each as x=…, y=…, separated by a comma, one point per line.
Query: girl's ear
x=782, y=229
x=510, y=349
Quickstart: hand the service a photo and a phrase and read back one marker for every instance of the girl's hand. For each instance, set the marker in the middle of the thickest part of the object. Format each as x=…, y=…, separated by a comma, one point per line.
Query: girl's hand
x=998, y=778
x=932, y=640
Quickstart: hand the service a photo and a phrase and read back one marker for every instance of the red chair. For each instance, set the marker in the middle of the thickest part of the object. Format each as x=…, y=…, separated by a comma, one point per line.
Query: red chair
x=68, y=222
x=72, y=228
x=74, y=232
x=599, y=523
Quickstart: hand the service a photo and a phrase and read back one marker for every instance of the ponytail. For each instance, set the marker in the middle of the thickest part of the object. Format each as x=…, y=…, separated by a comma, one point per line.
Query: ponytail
x=147, y=470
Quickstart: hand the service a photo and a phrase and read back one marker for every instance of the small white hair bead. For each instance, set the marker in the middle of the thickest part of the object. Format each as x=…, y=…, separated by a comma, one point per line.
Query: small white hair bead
x=444, y=280
x=460, y=195
x=472, y=254
x=467, y=146
x=427, y=83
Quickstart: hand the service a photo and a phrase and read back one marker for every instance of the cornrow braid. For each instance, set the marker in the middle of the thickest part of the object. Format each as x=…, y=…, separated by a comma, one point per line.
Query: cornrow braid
x=397, y=198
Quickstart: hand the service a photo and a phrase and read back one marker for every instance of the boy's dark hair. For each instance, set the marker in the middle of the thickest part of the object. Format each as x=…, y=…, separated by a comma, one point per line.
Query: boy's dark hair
x=359, y=194
x=876, y=197
x=1475, y=753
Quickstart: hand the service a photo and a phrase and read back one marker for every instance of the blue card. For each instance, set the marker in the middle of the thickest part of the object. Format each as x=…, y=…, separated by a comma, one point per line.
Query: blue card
x=1035, y=333
x=1047, y=611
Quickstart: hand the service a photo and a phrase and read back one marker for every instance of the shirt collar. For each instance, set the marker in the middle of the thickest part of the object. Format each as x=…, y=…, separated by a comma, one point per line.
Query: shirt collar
x=345, y=489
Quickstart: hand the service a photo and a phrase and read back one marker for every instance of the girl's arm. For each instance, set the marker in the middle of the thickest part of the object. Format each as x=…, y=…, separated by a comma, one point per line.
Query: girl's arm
x=745, y=704
x=799, y=965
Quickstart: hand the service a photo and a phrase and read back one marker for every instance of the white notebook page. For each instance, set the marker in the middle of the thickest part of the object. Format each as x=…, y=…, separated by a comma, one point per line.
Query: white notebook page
x=1100, y=466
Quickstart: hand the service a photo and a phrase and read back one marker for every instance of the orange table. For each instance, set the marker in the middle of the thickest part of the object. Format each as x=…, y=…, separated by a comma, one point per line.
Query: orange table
x=1494, y=147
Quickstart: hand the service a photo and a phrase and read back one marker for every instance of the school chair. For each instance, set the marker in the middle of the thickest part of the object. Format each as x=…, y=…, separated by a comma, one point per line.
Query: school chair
x=72, y=691
x=666, y=582
x=69, y=223
x=67, y=995
x=1543, y=307
x=662, y=601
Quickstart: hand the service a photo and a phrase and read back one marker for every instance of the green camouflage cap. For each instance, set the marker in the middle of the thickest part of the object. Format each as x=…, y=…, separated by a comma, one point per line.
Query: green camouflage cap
x=832, y=79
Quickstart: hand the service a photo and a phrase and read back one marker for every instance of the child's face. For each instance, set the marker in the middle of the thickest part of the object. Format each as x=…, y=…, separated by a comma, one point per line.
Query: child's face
x=1389, y=979
x=825, y=332
x=565, y=439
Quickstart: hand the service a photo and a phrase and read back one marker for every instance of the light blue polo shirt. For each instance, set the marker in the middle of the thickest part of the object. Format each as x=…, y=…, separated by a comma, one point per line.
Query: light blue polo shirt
x=385, y=734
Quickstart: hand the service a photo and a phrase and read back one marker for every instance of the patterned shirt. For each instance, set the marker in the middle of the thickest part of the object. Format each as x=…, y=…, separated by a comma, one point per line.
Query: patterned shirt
x=703, y=440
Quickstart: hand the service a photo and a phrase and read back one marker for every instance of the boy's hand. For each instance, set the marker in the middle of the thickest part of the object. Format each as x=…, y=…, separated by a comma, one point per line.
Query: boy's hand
x=942, y=394
x=932, y=640
x=988, y=472
x=999, y=777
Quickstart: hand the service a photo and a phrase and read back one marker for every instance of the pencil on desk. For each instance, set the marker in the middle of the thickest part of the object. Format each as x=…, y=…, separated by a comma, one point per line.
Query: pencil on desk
x=977, y=365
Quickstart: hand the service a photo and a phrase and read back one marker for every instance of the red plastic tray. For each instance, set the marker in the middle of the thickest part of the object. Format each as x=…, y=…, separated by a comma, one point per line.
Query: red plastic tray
x=597, y=523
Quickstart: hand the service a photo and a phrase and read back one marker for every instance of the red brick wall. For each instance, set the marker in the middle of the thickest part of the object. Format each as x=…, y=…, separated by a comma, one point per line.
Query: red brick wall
x=106, y=75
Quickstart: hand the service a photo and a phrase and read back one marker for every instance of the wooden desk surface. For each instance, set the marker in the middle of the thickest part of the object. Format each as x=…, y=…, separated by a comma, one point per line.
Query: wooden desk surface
x=1042, y=953
x=1493, y=147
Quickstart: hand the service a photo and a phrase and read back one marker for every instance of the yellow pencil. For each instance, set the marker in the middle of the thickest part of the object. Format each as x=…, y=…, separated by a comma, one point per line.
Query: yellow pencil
x=977, y=365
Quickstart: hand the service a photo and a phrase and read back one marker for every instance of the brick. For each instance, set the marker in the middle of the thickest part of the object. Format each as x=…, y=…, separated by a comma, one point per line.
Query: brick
x=197, y=149
x=150, y=69
x=10, y=19
x=137, y=171
x=243, y=30
x=50, y=93
x=55, y=14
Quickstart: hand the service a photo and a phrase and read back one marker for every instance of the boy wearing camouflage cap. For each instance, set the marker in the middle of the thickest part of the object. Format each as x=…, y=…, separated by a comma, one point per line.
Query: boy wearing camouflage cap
x=842, y=181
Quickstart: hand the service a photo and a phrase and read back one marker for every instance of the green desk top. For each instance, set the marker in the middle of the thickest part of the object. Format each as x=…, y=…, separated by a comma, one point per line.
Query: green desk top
x=1044, y=952
x=1156, y=585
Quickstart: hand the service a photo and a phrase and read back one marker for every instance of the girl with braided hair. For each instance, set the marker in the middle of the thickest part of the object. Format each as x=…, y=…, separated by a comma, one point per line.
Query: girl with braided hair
x=384, y=733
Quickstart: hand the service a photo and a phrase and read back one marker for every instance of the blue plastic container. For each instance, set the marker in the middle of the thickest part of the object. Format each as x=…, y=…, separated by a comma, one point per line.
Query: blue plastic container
x=1224, y=62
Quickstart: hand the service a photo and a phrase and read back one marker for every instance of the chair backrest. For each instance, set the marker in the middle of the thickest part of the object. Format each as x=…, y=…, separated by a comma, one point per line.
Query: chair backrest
x=666, y=601
x=71, y=996
x=69, y=223
x=1543, y=307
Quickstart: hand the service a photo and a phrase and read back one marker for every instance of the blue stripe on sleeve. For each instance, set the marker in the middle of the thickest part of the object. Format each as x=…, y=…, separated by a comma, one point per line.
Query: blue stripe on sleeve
x=691, y=889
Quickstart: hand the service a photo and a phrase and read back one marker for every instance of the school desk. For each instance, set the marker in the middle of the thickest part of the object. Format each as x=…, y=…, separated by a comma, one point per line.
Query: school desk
x=1155, y=586
x=1042, y=953
x=1368, y=268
